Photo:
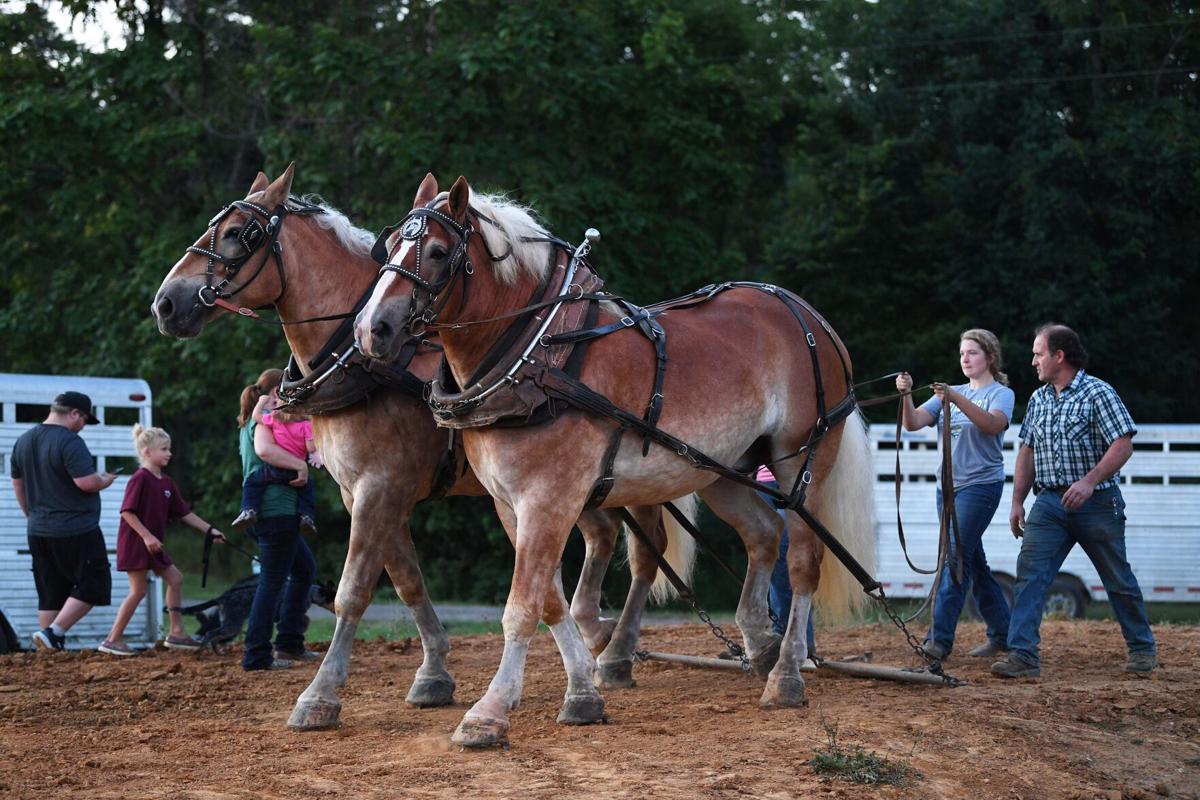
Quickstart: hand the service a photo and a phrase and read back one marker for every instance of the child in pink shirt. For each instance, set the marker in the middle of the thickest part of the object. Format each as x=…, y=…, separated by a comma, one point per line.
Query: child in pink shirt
x=294, y=434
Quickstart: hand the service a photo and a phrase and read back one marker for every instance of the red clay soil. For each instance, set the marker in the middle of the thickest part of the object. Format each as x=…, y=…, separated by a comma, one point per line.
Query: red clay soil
x=193, y=726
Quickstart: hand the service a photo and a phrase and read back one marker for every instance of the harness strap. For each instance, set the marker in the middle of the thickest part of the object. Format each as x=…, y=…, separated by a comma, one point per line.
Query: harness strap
x=695, y=533
x=510, y=336
x=682, y=588
x=604, y=483
x=447, y=470
x=557, y=384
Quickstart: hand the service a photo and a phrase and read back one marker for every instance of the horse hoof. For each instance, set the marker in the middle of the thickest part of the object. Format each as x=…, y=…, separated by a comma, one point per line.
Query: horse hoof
x=481, y=732
x=765, y=660
x=785, y=692
x=615, y=675
x=431, y=692
x=582, y=709
x=314, y=715
x=603, y=636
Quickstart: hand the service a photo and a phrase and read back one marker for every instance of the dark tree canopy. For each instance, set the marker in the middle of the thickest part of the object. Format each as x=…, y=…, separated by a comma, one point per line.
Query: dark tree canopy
x=912, y=169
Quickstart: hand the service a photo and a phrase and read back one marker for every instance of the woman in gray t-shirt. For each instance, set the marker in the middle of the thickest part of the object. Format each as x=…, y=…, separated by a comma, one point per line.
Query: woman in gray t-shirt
x=980, y=411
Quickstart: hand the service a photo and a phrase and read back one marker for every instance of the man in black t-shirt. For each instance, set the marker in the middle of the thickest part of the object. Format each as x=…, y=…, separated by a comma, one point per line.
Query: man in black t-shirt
x=58, y=488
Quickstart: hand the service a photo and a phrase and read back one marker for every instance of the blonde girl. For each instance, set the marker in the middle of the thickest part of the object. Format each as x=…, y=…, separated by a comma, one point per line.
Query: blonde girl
x=151, y=499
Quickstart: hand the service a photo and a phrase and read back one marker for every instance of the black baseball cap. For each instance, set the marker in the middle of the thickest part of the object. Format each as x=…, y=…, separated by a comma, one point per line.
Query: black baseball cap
x=80, y=402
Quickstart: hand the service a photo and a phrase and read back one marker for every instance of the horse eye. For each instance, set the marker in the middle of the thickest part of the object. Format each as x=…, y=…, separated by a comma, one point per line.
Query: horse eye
x=437, y=251
x=233, y=233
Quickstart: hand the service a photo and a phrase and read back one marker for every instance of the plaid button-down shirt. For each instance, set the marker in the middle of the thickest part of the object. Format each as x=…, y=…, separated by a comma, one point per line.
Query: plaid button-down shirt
x=1070, y=431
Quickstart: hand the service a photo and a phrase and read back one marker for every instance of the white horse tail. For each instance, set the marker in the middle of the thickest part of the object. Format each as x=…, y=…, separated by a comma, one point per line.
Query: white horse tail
x=848, y=511
x=680, y=551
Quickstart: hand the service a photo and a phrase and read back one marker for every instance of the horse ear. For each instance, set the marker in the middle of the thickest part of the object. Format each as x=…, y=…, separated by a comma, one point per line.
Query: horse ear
x=282, y=187
x=260, y=183
x=426, y=191
x=460, y=199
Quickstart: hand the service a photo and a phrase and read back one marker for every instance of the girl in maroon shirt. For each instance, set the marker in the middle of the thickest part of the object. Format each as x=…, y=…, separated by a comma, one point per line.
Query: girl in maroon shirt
x=151, y=499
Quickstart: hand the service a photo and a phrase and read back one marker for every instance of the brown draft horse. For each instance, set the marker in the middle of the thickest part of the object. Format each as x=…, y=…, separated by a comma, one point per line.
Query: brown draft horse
x=739, y=387
x=383, y=451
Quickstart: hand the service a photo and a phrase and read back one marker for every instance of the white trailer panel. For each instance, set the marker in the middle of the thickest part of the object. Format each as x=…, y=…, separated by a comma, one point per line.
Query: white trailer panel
x=1161, y=486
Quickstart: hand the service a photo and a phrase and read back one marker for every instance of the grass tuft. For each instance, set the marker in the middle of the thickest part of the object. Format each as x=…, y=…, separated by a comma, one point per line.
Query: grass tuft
x=853, y=763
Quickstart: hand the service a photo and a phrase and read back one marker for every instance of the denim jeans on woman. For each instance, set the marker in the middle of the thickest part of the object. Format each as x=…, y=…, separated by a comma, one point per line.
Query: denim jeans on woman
x=974, y=506
x=779, y=594
x=284, y=586
x=1050, y=533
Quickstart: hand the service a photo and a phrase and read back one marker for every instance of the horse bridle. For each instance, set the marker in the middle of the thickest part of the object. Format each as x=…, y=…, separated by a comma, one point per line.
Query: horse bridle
x=413, y=228
x=251, y=237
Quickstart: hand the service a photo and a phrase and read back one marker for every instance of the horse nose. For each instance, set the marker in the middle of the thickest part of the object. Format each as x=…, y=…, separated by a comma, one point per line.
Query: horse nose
x=163, y=308
x=381, y=332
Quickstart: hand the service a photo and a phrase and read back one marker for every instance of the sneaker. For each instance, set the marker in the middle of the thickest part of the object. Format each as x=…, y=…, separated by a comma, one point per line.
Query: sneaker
x=935, y=651
x=245, y=519
x=989, y=649
x=47, y=639
x=308, y=525
x=302, y=655
x=1141, y=663
x=184, y=642
x=1013, y=667
x=115, y=648
x=275, y=663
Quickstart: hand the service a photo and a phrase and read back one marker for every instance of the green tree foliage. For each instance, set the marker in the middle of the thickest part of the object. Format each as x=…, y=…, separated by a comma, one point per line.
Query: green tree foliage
x=912, y=169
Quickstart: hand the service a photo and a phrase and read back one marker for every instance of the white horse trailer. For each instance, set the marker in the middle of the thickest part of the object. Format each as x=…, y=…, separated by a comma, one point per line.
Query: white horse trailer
x=1161, y=485
x=118, y=403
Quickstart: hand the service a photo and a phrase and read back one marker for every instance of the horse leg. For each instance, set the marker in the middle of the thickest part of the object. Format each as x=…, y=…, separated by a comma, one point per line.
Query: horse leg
x=614, y=668
x=318, y=706
x=785, y=685
x=582, y=704
x=760, y=529
x=599, y=530
x=540, y=535
x=433, y=685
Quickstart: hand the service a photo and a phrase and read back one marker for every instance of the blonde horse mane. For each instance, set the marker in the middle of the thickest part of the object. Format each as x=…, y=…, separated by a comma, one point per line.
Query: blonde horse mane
x=513, y=225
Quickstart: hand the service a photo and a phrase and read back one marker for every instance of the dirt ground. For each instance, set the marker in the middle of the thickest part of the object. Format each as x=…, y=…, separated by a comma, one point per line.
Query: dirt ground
x=195, y=726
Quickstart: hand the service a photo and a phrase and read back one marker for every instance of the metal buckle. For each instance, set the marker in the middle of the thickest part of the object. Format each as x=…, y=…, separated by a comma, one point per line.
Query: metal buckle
x=812, y=340
x=627, y=322
x=203, y=300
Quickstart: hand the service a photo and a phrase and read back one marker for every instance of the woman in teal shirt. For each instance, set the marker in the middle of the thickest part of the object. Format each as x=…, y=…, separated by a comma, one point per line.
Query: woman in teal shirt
x=288, y=567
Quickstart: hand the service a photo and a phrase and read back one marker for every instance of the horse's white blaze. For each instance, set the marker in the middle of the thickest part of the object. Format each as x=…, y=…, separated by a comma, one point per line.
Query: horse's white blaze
x=367, y=315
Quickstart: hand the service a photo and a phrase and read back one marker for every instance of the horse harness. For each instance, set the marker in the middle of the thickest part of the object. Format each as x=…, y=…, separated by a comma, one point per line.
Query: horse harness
x=339, y=375
x=252, y=236
x=536, y=382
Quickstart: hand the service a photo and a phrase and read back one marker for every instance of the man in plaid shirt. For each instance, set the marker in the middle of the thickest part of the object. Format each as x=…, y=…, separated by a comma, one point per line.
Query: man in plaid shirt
x=1075, y=437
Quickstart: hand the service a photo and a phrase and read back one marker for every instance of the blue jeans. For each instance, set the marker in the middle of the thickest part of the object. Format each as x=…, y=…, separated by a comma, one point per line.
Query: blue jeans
x=284, y=585
x=974, y=506
x=779, y=594
x=1050, y=533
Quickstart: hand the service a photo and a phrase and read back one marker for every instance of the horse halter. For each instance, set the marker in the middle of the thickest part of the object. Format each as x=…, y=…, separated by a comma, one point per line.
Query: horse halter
x=252, y=236
x=414, y=228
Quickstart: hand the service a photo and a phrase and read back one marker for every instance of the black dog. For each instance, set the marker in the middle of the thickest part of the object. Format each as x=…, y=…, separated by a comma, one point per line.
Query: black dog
x=223, y=617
